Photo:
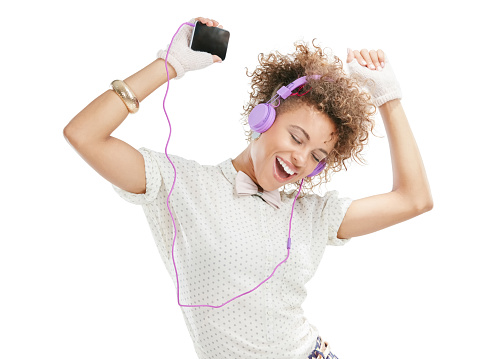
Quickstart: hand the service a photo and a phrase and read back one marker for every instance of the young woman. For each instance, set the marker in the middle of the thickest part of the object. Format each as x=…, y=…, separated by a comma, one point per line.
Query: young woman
x=244, y=245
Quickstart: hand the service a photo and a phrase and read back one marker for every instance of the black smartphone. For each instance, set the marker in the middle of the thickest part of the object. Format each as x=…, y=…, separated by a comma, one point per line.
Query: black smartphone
x=210, y=39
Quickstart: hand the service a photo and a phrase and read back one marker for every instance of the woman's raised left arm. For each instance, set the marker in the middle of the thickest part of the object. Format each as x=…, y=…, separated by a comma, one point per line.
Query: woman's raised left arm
x=410, y=195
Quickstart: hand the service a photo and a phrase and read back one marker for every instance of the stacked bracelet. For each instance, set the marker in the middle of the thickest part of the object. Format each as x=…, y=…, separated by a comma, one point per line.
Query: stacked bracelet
x=126, y=95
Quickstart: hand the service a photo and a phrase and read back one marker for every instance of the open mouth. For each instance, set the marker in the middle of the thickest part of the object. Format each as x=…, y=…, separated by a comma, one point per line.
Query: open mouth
x=280, y=173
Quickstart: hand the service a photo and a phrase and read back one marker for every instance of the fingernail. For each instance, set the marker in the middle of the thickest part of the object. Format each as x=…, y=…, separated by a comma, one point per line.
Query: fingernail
x=382, y=64
x=363, y=62
x=372, y=67
x=349, y=50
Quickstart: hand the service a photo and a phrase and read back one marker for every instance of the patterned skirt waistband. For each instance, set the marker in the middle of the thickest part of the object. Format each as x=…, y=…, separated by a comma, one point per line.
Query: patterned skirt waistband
x=321, y=350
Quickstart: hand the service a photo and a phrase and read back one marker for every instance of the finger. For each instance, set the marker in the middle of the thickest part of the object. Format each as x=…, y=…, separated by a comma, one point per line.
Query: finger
x=359, y=58
x=350, y=56
x=382, y=57
x=374, y=58
x=367, y=58
x=217, y=58
x=210, y=22
x=205, y=21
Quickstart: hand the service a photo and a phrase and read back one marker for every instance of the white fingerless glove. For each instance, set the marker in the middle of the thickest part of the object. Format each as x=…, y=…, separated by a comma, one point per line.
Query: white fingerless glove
x=181, y=57
x=385, y=87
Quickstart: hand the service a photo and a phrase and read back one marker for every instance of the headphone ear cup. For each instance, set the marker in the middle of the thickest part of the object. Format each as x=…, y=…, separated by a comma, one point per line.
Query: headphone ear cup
x=321, y=165
x=261, y=118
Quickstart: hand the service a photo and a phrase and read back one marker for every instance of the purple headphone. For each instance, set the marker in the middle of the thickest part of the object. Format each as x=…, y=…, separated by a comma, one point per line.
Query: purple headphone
x=263, y=115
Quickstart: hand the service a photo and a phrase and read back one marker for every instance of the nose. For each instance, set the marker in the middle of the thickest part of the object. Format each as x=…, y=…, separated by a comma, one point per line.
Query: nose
x=300, y=159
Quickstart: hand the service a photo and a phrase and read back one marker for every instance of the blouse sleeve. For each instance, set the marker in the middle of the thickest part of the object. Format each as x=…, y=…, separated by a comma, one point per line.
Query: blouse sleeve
x=153, y=181
x=335, y=209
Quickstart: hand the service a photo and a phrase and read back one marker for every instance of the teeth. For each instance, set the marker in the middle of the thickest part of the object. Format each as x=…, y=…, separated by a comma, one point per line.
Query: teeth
x=285, y=166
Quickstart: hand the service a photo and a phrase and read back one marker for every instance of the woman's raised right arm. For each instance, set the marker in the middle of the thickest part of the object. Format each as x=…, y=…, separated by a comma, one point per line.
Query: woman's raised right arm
x=89, y=132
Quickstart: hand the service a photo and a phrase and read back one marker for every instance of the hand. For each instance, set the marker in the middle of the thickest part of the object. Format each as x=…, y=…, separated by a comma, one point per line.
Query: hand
x=210, y=22
x=374, y=60
x=374, y=65
x=181, y=57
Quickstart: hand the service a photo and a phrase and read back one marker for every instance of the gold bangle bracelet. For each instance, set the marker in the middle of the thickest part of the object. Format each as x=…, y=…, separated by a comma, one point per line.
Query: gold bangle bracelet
x=126, y=95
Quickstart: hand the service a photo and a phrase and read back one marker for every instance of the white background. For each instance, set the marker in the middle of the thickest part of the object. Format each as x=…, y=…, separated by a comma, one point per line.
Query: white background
x=80, y=276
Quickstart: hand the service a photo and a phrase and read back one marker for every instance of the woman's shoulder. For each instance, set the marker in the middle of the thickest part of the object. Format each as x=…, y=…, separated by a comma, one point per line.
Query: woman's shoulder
x=310, y=198
x=189, y=168
x=163, y=158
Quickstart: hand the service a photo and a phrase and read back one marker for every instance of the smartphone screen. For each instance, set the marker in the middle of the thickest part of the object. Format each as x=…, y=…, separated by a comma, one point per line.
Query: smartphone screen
x=210, y=39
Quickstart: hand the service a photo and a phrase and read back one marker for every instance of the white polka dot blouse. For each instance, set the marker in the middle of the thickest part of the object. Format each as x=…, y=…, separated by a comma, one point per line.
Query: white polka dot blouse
x=226, y=245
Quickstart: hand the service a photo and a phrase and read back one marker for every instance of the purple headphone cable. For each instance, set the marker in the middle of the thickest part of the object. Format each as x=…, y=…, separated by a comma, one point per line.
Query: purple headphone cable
x=168, y=200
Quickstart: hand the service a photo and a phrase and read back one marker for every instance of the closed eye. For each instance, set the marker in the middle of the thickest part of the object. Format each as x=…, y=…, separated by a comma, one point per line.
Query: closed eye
x=296, y=140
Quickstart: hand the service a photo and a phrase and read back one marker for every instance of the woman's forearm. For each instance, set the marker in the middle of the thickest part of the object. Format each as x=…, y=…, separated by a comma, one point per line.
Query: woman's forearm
x=147, y=80
x=409, y=174
x=102, y=116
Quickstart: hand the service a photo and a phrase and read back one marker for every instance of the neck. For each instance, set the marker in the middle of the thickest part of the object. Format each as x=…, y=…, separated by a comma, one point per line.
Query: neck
x=244, y=163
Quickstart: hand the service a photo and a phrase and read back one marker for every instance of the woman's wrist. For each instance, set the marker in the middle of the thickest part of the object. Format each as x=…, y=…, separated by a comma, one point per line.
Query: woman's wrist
x=171, y=70
x=148, y=79
x=389, y=106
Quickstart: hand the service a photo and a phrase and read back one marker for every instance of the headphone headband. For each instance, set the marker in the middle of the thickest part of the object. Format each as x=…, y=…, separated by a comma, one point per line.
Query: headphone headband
x=286, y=91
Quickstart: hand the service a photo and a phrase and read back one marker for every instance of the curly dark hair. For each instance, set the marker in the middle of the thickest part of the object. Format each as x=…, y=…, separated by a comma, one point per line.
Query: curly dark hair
x=334, y=94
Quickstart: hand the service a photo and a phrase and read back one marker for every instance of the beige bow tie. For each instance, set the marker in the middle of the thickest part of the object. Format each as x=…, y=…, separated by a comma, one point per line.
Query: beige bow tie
x=245, y=186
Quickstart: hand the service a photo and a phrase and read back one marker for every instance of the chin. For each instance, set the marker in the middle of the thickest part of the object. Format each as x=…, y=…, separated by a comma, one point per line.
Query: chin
x=271, y=188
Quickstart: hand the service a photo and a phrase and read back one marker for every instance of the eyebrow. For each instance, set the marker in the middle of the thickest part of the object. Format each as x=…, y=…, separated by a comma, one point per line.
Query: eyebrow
x=307, y=136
